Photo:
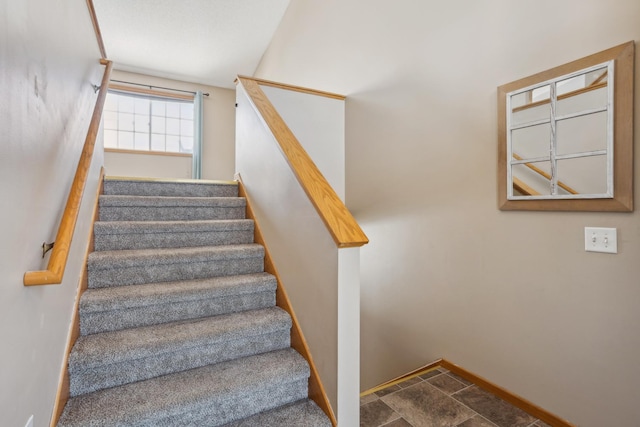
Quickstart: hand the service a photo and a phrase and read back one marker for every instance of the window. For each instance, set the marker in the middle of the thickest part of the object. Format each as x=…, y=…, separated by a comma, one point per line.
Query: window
x=148, y=123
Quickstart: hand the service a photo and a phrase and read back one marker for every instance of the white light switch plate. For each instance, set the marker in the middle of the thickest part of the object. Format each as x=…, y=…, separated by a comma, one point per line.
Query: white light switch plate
x=599, y=239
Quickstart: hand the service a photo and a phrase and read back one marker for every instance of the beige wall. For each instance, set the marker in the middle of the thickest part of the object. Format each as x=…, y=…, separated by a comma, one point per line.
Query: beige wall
x=218, y=145
x=511, y=296
x=48, y=62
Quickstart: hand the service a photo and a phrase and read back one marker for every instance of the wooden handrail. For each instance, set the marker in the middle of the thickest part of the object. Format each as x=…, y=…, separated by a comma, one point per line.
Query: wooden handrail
x=294, y=88
x=523, y=188
x=546, y=175
x=60, y=252
x=96, y=29
x=341, y=224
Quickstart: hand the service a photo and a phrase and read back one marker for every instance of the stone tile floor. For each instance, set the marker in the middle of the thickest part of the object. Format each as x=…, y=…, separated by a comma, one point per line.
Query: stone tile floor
x=439, y=398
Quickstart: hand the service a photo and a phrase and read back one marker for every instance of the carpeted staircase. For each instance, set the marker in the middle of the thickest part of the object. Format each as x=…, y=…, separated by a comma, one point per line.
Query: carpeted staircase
x=179, y=325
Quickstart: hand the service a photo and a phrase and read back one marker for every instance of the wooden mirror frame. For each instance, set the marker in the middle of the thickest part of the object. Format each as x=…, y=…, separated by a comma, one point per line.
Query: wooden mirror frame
x=622, y=200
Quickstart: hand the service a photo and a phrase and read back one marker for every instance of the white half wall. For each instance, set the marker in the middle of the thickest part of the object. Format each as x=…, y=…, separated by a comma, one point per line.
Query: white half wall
x=303, y=251
x=147, y=165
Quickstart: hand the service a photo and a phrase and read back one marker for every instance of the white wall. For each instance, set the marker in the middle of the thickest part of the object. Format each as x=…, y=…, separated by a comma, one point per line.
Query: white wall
x=49, y=60
x=511, y=296
x=318, y=124
x=302, y=250
x=218, y=145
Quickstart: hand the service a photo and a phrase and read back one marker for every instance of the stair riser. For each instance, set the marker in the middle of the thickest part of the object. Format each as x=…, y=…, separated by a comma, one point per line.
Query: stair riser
x=101, y=377
x=92, y=323
x=211, y=395
x=146, y=188
x=137, y=275
x=216, y=413
x=169, y=213
x=110, y=242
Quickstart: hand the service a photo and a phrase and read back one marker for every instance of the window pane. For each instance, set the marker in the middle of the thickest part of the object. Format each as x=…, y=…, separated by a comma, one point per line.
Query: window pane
x=147, y=123
x=158, y=124
x=186, y=127
x=186, y=110
x=141, y=141
x=125, y=104
x=110, y=139
x=157, y=142
x=173, y=109
x=125, y=122
x=173, y=127
x=173, y=143
x=111, y=103
x=141, y=123
x=110, y=120
x=158, y=108
x=141, y=105
x=186, y=144
x=125, y=140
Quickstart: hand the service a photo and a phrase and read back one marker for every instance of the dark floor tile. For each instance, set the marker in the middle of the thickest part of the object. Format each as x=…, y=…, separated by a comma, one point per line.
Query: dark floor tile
x=459, y=378
x=376, y=413
x=446, y=384
x=477, y=421
x=424, y=406
x=388, y=390
x=400, y=422
x=410, y=382
x=368, y=399
x=430, y=374
x=493, y=408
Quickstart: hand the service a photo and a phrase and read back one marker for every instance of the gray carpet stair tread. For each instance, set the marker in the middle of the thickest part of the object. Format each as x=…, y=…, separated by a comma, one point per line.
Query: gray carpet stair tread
x=114, y=347
x=304, y=413
x=223, y=392
x=115, y=358
x=123, y=235
x=147, y=257
x=159, y=201
x=122, y=297
x=199, y=188
x=138, y=227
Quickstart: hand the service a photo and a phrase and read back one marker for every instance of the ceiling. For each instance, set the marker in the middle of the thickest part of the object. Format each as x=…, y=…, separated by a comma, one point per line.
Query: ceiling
x=202, y=41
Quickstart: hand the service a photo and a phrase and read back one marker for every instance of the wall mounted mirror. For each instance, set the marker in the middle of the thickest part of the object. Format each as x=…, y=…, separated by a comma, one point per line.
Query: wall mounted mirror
x=565, y=136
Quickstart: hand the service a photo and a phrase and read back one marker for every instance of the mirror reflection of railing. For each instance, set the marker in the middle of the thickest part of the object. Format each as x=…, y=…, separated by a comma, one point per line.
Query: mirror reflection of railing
x=563, y=127
x=558, y=131
x=523, y=188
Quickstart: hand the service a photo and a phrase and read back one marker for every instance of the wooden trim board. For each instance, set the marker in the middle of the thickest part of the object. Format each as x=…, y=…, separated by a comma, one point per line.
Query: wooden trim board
x=415, y=373
x=148, y=152
x=317, y=392
x=285, y=86
x=150, y=92
x=62, y=396
x=517, y=401
x=96, y=28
